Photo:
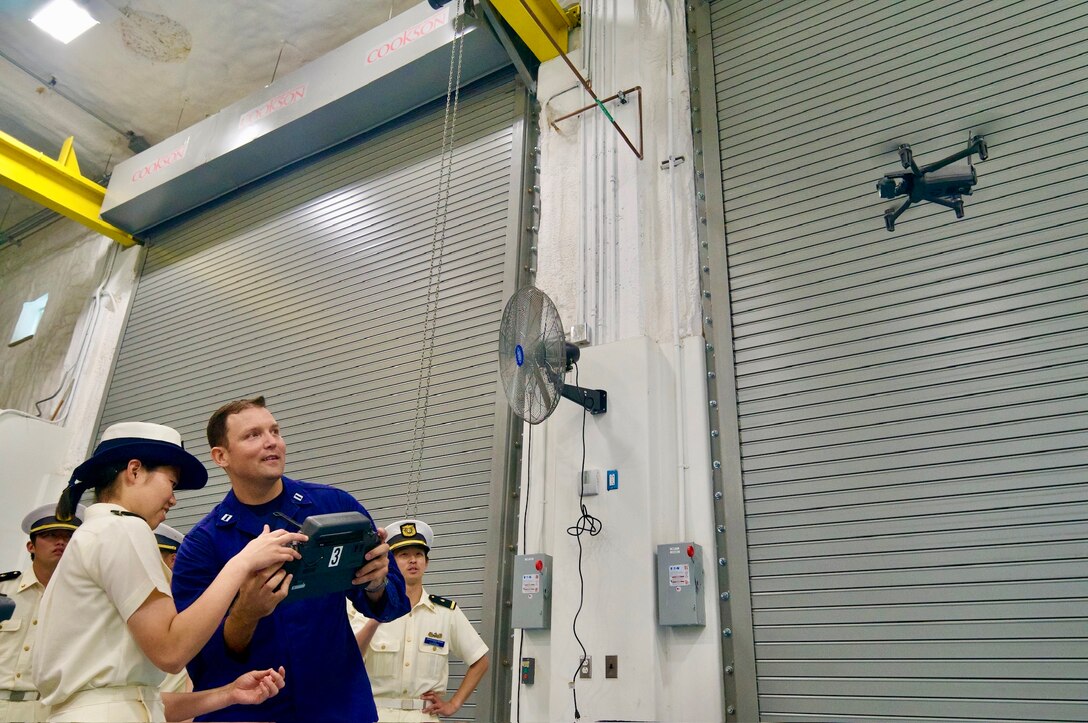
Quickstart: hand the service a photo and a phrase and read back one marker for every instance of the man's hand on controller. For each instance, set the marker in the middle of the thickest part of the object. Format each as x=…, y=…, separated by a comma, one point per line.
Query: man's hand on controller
x=261, y=593
x=373, y=573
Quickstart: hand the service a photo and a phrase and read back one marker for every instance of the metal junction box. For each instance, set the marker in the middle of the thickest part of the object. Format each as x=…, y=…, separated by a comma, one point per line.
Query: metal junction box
x=680, y=584
x=532, y=592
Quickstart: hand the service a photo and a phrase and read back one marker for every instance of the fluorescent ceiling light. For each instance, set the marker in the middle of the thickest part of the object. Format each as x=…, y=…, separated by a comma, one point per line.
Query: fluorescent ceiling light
x=64, y=20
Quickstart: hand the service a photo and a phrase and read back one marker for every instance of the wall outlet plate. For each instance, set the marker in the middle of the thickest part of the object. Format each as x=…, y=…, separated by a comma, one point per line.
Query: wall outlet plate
x=591, y=482
x=586, y=671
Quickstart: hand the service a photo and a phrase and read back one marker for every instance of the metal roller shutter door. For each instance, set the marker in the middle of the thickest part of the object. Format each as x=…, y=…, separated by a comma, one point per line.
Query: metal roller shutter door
x=912, y=407
x=310, y=288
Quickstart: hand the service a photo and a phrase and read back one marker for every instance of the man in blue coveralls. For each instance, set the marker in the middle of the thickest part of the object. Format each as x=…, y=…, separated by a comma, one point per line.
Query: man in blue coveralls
x=311, y=638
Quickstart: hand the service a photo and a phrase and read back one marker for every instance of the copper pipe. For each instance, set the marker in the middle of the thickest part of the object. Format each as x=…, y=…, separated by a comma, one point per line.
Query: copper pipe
x=585, y=84
x=620, y=95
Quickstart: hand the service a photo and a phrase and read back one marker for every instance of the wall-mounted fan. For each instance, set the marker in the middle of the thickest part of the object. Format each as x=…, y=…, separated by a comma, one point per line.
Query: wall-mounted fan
x=534, y=357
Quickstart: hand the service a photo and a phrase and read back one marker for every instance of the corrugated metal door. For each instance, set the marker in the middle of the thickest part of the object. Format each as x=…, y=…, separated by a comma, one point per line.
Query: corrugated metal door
x=310, y=288
x=911, y=407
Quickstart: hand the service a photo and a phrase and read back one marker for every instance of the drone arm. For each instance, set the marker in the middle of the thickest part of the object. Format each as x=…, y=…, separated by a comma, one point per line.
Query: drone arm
x=893, y=213
x=977, y=145
x=953, y=202
x=946, y=202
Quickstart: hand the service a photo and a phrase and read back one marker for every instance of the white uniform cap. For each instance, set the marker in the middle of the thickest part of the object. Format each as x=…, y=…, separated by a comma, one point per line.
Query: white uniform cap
x=168, y=538
x=404, y=533
x=152, y=443
x=44, y=518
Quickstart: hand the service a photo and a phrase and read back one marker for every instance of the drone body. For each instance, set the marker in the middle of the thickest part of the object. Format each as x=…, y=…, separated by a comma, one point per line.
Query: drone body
x=935, y=182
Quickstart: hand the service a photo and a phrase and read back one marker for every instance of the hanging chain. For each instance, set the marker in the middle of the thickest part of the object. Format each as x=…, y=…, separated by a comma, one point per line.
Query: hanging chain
x=434, y=273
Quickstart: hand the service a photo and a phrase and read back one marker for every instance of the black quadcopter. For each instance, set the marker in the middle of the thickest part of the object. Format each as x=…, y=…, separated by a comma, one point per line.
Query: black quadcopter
x=932, y=182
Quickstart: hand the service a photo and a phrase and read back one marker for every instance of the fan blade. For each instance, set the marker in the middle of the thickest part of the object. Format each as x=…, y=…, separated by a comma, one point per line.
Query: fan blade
x=535, y=309
x=547, y=388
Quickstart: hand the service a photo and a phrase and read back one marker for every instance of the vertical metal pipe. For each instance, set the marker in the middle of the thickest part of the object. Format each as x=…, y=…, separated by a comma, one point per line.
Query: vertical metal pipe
x=614, y=246
x=677, y=281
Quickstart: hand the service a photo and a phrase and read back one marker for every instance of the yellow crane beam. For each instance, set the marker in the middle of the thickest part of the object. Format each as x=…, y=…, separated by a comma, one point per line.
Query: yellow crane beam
x=555, y=21
x=57, y=185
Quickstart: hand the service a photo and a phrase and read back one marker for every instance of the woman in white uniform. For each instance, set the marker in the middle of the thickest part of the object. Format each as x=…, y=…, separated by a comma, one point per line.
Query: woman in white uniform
x=109, y=627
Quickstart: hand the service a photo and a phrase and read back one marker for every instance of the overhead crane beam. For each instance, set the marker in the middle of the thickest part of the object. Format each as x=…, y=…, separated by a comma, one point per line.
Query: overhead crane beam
x=56, y=184
x=546, y=33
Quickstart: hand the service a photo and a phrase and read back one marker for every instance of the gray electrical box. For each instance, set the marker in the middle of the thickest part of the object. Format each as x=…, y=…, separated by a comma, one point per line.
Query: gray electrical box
x=680, y=584
x=532, y=604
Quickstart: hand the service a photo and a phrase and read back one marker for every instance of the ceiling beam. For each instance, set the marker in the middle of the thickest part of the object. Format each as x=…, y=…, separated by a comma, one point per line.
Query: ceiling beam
x=542, y=24
x=57, y=185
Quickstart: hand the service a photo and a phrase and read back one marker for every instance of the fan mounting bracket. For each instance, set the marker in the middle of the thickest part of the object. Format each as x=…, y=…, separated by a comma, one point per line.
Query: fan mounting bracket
x=595, y=401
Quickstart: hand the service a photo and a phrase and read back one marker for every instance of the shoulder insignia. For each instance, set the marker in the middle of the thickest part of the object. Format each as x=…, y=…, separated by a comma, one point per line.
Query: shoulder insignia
x=444, y=602
x=5, y=576
x=125, y=513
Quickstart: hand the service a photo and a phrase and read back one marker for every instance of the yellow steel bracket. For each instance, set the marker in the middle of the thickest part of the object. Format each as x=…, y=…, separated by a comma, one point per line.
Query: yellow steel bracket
x=57, y=185
x=554, y=24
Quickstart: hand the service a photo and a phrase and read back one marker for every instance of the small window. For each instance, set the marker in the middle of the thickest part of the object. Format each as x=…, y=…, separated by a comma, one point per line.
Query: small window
x=28, y=319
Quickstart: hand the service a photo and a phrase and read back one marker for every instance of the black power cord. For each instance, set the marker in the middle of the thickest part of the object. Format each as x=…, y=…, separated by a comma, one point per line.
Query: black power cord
x=586, y=523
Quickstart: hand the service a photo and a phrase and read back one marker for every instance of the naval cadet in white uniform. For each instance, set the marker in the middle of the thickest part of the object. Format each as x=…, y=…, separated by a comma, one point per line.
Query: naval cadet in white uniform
x=19, y=699
x=407, y=659
x=109, y=628
x=169, y=540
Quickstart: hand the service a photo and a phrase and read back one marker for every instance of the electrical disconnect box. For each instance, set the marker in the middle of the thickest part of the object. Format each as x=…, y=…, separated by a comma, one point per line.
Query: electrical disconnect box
x=680, y=584
x=531, y=607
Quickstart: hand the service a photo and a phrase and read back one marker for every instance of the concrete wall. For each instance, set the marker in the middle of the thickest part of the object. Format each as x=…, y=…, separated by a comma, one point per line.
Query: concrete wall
x=617, y=252
x=90, y=281
x=66, y=261
x=606, y=246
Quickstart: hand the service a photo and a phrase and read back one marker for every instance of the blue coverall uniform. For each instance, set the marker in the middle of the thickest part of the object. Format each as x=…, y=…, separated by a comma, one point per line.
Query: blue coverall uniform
x=311, y=638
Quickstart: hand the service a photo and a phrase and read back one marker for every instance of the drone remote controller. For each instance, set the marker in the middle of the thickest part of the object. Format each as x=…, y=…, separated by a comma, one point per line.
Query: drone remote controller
x=337, y=548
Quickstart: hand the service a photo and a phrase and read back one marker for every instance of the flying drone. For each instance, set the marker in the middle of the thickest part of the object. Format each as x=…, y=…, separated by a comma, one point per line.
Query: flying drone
x=933, y=182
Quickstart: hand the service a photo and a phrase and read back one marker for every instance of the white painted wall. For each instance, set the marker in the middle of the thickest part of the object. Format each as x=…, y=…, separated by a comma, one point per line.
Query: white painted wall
x=611, y=256
x=90, y=281
x=665, y=674
x=30, y=479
